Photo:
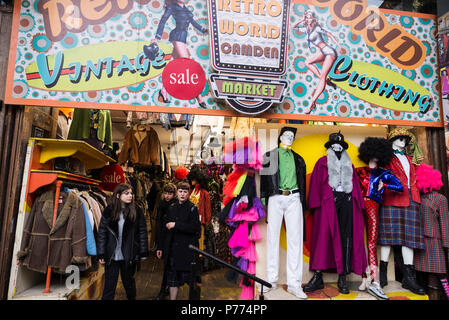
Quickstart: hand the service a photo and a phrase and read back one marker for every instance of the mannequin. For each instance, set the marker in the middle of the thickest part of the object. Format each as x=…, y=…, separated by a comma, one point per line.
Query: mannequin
x=435, y=214
x=338, y=227
x=283, y=185
x=376, y=153
x=399, y=217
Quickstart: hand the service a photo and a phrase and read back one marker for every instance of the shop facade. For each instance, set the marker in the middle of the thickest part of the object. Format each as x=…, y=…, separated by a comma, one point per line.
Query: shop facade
x=230, y=70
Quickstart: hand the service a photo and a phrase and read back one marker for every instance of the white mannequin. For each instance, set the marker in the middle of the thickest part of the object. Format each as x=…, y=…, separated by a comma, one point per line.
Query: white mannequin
x=407, y=253
x=281, y=207
x=287, y=138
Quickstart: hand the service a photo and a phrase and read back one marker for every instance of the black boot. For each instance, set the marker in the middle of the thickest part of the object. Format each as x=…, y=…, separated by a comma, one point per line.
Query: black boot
x=409, y=281
x=383, y=267
x=342, y=285
x=162, y=294
x=315, y=283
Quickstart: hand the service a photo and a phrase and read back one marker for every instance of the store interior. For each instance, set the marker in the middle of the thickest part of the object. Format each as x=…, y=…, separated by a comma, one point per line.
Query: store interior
x=169, y=150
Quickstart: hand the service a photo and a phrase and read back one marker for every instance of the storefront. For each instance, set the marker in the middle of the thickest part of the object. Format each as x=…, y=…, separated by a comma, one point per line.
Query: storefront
x=132, y=90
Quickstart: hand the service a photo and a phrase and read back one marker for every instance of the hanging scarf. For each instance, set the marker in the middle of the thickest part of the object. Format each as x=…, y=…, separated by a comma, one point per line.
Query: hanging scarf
x=284, y=146
x=339, y=170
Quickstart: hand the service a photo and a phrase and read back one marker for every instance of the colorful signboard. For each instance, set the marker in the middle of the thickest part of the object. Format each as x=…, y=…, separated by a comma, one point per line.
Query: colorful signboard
x=112, y=55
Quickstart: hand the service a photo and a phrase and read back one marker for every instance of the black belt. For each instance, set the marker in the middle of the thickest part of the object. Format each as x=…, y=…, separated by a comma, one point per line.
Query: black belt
x=288, y=192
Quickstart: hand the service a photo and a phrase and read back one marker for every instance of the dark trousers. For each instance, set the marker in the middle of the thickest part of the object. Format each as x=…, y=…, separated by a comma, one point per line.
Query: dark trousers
x=343, y=204
x=111, y=273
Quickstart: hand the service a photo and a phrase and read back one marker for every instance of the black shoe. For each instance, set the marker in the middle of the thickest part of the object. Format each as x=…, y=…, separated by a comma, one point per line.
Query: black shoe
x=202, y=105
x=409, y=281
x=342, y=285
x=162, y=97
x=383, y=267
x=315, y=283
x=162, y=294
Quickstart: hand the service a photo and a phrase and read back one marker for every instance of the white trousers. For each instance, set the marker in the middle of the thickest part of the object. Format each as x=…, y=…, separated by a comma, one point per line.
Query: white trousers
x=289, y=208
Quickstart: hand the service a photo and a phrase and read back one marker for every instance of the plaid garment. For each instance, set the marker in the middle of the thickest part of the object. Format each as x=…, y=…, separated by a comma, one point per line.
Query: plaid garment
x=401, y=226
x=435, y=220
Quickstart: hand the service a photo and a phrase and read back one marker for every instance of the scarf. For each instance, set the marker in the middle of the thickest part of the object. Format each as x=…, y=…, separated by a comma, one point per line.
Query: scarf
x=340, y=171
x=284, y=146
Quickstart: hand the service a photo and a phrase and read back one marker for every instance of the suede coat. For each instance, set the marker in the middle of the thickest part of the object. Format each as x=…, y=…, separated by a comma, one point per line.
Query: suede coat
x=326, y=251
x=401, y=199
x=141, y=146
x=59, y=246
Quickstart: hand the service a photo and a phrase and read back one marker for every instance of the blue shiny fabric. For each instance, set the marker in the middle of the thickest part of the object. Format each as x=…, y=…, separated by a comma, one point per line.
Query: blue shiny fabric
x=389, y=179
x=183, y=18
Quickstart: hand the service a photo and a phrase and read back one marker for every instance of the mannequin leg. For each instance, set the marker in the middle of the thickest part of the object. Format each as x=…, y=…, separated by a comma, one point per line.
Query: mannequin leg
x=275, y=216
x=383, y=268
x=407, y=255
x=385, y=253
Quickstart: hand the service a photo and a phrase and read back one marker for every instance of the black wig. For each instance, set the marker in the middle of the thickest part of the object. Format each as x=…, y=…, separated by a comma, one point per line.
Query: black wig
x=378, y=148
x=200, y=175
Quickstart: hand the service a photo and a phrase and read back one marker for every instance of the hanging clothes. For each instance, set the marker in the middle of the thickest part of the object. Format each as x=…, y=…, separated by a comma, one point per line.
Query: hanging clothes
x=64, y=121
x=91, y=125
x=241, y=127
x=169, y=120
x=141, y=146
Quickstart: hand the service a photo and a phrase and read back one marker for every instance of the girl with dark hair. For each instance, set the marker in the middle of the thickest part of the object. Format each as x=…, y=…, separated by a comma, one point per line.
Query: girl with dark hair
x=376, y=153
x=122, y=241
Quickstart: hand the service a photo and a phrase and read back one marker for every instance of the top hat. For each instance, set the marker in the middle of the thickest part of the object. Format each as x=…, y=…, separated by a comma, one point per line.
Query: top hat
x=338, y=138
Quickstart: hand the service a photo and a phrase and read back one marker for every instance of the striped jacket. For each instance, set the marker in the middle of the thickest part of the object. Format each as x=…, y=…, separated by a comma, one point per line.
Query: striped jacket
x=435, y=219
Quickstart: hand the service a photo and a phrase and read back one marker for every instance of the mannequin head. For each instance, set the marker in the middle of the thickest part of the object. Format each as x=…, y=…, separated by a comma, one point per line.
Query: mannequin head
x=375, y=151
x=400, y=142
x=287, y=135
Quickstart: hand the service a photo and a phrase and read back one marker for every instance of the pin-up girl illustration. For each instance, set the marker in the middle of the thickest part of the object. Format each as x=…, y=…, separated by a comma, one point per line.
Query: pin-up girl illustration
x=326, y=54
x=183, y=18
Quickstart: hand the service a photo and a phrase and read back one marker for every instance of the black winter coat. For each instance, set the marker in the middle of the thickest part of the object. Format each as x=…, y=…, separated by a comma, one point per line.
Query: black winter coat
x=187, y=231
x=270, y=178
x=162, y=210
x=134, y=237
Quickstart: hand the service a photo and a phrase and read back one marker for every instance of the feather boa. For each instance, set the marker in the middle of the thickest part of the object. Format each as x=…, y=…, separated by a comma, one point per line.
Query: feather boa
x=428, y=179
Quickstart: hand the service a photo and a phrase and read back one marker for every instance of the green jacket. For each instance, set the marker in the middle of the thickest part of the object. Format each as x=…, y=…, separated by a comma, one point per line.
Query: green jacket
x=80, y=127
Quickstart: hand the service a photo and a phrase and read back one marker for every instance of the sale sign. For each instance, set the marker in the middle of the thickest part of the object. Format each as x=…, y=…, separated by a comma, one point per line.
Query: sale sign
x=183, y=78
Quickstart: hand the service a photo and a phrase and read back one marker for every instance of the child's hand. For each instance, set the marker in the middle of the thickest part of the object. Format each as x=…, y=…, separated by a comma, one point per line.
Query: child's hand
x=159, y=254
x=101, y=261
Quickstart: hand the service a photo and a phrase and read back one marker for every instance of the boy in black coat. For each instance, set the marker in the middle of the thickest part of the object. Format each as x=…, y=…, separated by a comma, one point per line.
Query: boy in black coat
x=168, y=198
x=182, y=228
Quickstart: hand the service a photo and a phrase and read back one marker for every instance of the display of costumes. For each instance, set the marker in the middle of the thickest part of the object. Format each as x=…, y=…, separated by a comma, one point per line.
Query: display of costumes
x=338, y=224
x=399, y=217
x=376, y=153
x=435, y=220
x=58, y=246
x=283, y=188
x=243, y=209
x=143, y=117
x=92, y=126
x=141, y=146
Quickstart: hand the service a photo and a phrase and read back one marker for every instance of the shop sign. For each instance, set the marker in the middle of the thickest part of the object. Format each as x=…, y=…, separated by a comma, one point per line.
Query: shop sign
x=249, y=39
x=111, y=176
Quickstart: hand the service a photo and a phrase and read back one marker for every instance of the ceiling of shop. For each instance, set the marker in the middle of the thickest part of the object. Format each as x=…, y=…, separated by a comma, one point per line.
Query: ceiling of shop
x=188, y=142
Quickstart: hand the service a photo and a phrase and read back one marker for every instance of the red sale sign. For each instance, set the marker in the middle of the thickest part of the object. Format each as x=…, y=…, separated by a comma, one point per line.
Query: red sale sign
x=111, y=176
x=183, y=78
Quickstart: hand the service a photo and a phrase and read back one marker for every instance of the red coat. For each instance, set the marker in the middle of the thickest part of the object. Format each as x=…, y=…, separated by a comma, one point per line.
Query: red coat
x=401, y=199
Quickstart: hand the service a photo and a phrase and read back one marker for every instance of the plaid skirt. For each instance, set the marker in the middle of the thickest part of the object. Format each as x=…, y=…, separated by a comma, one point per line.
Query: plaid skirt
x=432, y=259
x=401, y=226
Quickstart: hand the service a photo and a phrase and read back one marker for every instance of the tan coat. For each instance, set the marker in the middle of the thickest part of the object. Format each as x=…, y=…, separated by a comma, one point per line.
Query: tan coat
x=141, y=146
x=58, y=246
